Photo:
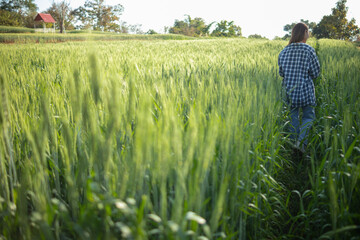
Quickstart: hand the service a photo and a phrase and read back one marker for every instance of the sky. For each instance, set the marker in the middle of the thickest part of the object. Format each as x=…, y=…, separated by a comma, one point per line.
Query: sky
x=264, y=17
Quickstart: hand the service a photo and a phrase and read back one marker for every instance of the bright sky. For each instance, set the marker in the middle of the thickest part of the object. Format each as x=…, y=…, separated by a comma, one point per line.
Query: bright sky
x=264, y=17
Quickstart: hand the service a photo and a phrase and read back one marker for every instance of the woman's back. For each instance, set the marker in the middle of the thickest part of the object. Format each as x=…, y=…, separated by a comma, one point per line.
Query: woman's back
x=298, y=65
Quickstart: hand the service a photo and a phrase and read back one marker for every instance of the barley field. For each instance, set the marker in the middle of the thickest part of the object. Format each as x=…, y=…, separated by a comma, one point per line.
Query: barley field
x=174, y=139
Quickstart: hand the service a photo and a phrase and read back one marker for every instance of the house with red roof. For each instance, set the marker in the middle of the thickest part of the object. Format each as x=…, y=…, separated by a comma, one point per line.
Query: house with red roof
x=44, y=18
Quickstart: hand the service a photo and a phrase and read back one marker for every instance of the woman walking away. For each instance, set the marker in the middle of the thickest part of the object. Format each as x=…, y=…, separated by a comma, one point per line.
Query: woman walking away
x=299, y=65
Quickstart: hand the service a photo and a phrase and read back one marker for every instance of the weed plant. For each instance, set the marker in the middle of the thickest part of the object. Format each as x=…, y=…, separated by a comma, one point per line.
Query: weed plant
x=173, y=140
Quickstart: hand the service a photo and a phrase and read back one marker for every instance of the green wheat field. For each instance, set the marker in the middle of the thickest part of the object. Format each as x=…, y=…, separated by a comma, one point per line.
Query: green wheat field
x=174, y=139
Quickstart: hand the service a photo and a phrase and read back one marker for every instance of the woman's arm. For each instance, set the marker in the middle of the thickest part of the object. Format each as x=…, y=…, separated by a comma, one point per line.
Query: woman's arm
x=314, y=69
x=281, y=72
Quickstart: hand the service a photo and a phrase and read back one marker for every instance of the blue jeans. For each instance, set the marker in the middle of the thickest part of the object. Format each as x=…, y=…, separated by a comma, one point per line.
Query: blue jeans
x=300, y=132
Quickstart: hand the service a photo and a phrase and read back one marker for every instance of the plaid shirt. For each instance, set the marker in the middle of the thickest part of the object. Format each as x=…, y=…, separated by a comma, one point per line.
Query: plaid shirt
x=298, y=65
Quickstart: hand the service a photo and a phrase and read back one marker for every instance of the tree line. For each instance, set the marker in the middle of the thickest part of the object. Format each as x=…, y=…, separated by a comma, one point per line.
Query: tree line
x=196, y=27
x=333, y=26
x=96, y=15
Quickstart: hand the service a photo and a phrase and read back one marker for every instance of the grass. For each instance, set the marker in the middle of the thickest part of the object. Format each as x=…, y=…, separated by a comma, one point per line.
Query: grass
x=173, y=140
x=57, y=37
x=9, y=29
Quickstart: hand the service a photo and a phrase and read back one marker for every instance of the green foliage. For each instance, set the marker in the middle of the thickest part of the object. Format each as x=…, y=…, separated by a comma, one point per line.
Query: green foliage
x=226, y=29
x=151, y=31
x=162, y=140
x=190, y=27
x=80, y=35
x=285, y=37
x=336, y=158
x=8, y=29
x=98, y=133
x=257, y=36
x=17, y=13
x=336, y=25
x=8, y=18
x=18, y=5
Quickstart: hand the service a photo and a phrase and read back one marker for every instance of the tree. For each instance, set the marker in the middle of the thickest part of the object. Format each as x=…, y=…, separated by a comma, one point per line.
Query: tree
x=99, y=16
x=256, y=36
x=226, y=29
x=180, y=27
x=336, y=25
x=151, y=32
x=198, y=27
x=61, y=12
x=136, y=28
x=19, y=6
x=17, y=12
x=190, y=27
x=10, y=18
x=124, y=27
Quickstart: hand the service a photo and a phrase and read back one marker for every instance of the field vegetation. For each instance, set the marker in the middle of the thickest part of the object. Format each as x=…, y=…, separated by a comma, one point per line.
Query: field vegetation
x=173, y=140
x=10, y=29
x=82, y=36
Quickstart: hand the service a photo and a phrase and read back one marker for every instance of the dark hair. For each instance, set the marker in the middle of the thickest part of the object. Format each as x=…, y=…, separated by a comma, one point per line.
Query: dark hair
x=298, y=33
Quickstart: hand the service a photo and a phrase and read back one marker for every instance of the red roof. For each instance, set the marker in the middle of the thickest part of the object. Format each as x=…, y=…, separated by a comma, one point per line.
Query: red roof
x=44, y=17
